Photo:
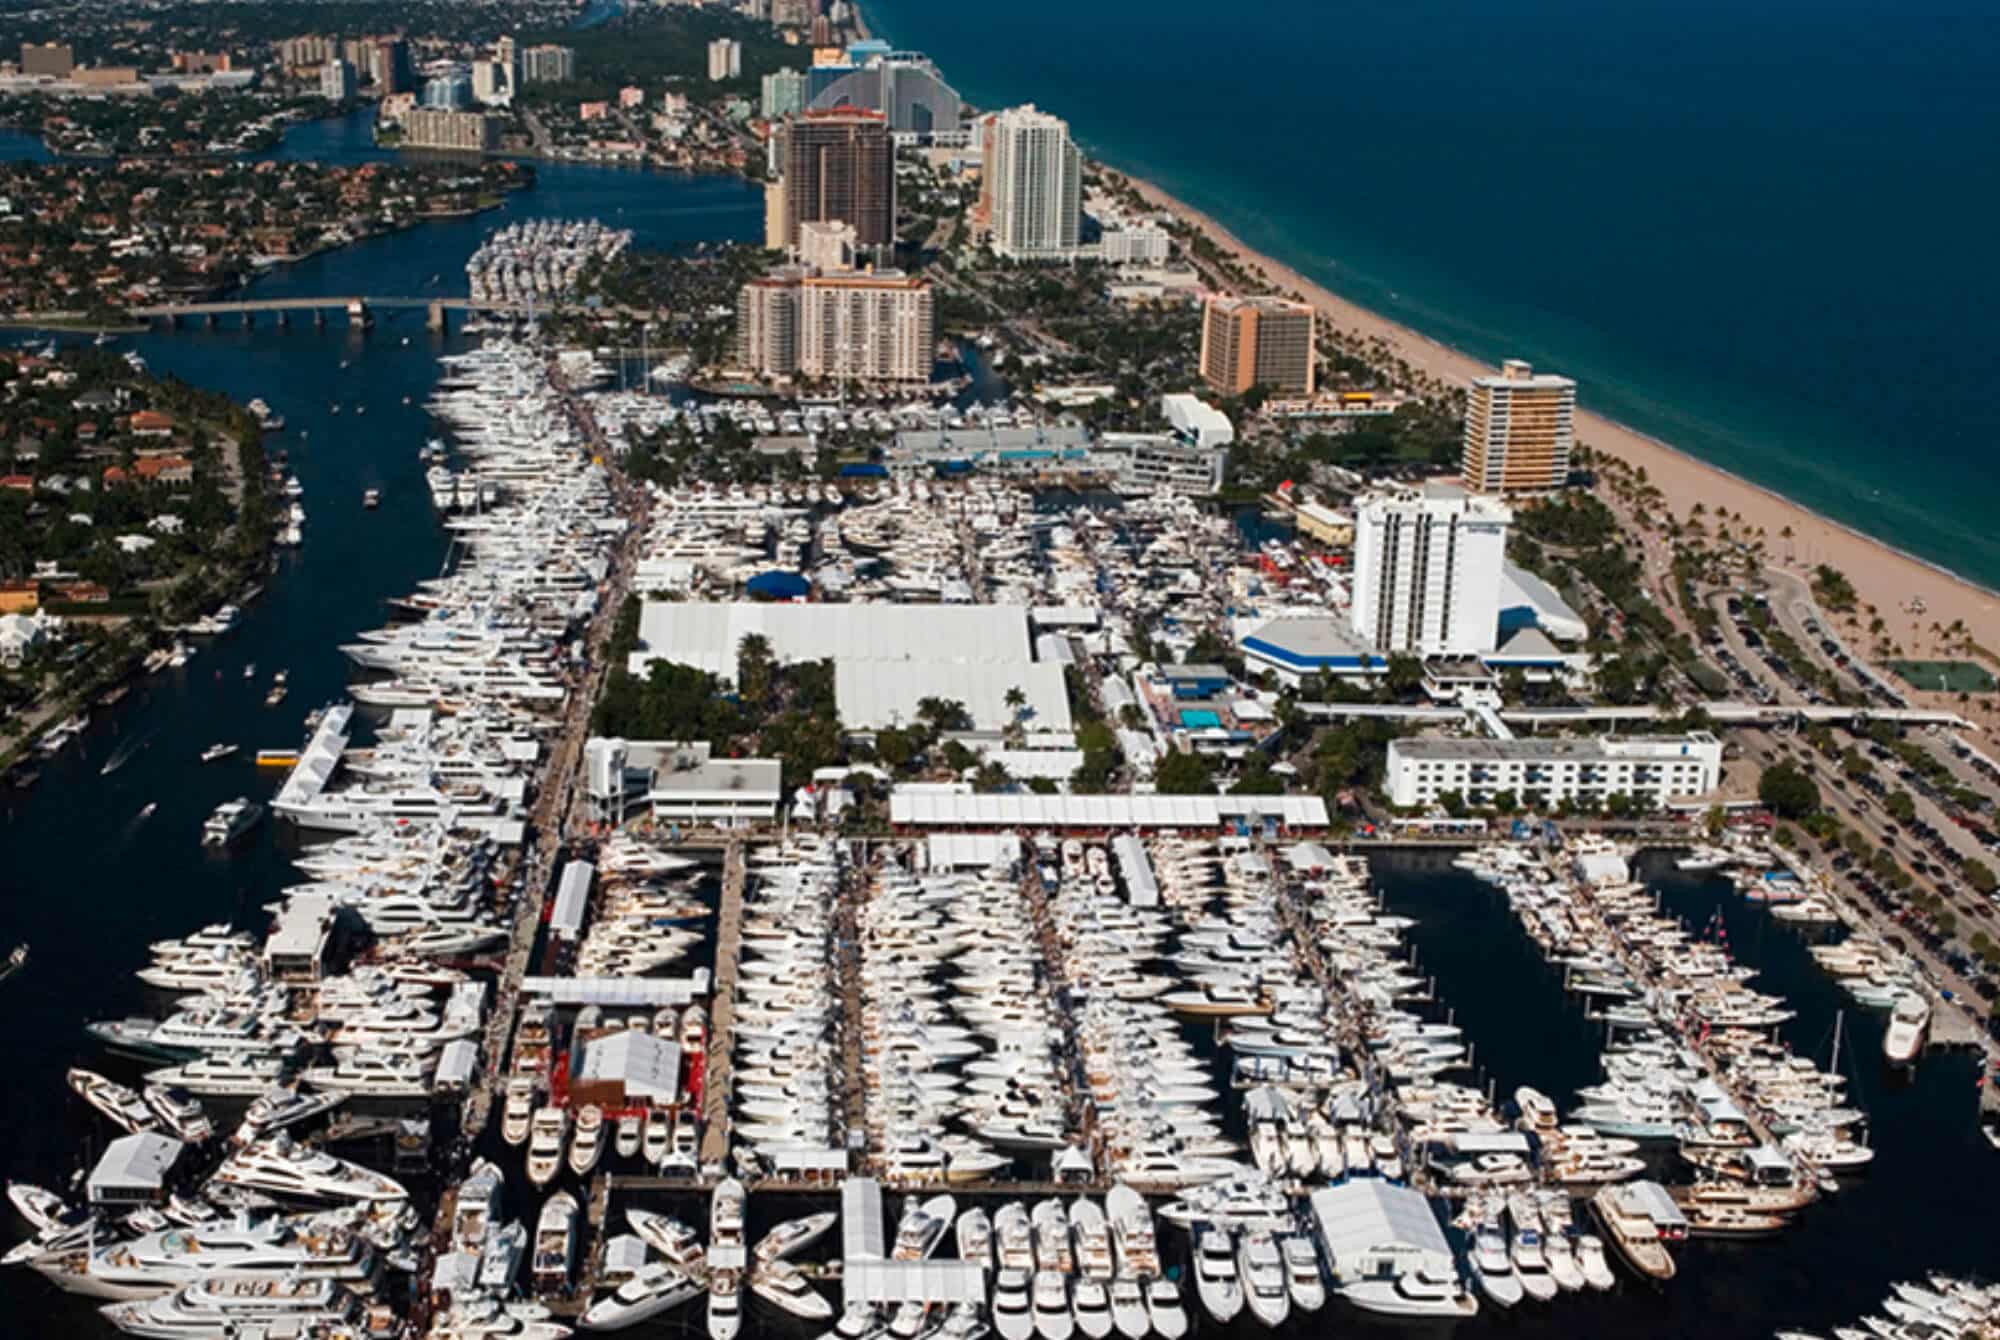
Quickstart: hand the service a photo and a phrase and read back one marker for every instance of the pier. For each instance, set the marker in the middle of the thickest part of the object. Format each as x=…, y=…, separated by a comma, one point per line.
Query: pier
x=716, y=1061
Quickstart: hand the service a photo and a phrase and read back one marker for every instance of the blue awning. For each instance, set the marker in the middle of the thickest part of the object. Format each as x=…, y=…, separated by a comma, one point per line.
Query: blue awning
x=778, y=585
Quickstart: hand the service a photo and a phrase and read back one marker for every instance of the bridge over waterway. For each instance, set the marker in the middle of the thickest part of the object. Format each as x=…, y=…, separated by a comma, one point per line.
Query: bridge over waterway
x=359, y=311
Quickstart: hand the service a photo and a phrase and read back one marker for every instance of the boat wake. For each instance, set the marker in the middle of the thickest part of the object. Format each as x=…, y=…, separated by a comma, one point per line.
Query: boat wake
x=123, y=754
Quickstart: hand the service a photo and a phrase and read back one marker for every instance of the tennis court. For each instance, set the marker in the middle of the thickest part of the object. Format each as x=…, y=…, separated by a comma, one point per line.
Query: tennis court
x=1945, y=676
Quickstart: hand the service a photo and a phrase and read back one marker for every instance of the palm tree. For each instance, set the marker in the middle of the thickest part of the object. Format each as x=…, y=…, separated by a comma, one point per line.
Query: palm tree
x=1017, y=703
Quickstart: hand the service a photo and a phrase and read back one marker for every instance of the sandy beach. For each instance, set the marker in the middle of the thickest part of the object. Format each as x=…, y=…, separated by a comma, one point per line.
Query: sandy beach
x=1881, y=576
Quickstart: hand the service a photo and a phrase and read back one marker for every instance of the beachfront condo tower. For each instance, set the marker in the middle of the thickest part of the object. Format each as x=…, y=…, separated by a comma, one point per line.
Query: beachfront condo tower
x=1427, y=570
x=837, y=166
x=1034, y=184
x=1519, y=428
x=1266, y=342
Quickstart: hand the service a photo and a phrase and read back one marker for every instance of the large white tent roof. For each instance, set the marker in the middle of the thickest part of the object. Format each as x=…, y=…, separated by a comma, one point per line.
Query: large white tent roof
x=887, y=658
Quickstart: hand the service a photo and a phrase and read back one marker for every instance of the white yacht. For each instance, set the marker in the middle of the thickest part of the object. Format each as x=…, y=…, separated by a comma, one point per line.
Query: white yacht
x=239, y=1305
x=546, y=1133
x=1261, y=1271
x=226, y=1076
x=655, y=1289
x=280, y=1106
x=112, y=1100
x=555, y=1242
x=1165, y=1311
x=1215, y=1275
x=159, y=1262
x=780, y=1284
x=1908, y=1028
x=586, y=1146
x=231, y=820
x=180, y=1112
x=282, y=1167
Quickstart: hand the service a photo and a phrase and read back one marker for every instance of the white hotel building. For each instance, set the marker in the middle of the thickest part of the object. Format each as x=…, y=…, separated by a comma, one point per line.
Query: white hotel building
x=1659, y=768
x=1427, y=566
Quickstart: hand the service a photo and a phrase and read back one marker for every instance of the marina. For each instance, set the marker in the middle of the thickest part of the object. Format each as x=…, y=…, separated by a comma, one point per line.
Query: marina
x=1072, y=1076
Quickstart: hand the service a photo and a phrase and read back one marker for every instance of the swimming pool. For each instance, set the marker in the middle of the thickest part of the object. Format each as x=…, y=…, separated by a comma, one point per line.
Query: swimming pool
x=1200, y=718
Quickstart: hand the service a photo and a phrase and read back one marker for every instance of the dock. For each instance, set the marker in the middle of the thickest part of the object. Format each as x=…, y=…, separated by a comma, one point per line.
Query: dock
x=716, y=1071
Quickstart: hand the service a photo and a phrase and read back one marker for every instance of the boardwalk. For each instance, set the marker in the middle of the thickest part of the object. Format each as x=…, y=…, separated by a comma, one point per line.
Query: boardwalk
x=716, y=1074
x=549, y=818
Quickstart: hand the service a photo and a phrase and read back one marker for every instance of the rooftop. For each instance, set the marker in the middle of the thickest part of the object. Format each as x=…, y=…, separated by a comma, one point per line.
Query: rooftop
x=1554, y=750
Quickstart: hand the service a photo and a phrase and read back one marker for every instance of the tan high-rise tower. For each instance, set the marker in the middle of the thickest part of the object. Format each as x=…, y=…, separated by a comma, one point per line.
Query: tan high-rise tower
x=1248, y=342
x=1519, y=429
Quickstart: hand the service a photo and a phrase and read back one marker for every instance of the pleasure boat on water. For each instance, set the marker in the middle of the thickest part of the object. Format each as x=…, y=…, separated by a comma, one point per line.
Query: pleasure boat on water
x=1216, y=1282
x=237, y=1305
x=280, y=1106
x=1261, y=1271
x=231, y=820
x=116, y=1103
x=226, y=1076
x=1165, y=1310
x=282, y=1167
x=794, y=1236
x=671, y=1238
x=655, y=1289
x=546, y=1133
x=270, y=1247
x=1908, y=1028
x=180, y=1112
x=555, y=1242
x=780, y=1284
x=1013, y=1314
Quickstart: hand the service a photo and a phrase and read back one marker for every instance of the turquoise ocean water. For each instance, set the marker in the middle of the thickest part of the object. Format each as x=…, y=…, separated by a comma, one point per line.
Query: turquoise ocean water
x=1762, y=232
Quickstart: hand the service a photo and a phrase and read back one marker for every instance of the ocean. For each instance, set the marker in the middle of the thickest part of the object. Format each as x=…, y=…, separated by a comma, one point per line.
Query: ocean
x=1757, y=232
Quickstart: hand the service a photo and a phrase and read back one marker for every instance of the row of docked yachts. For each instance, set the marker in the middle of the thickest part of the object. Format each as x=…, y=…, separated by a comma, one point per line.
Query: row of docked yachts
x=265, y=1233
x=1941, y=1307
x=1324, y=1059
x=1691, y=1057
x=956, y=1027
x=1875, y=974
x=540, y=259
x=787, y=1008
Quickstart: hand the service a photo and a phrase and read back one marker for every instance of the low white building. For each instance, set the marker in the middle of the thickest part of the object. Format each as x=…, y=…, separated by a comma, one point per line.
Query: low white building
x=1659, y=768
x=1198, y=420
x=679, y=783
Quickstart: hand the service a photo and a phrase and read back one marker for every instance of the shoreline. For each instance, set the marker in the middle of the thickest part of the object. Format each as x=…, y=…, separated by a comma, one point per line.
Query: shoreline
x=1884, y=576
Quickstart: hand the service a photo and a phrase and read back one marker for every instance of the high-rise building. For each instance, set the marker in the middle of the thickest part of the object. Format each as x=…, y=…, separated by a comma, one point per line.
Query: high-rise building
x=548, y=64
x=299, y=52
x=389, y=65
x=902, y=85
x=53, y=59
x=336, y=80
x=1428, y=565
x=725, y=59
x=849, y=327
x=1266, y=342
x=839, y=166
x=1036, y=193
x=490, y=84
x=791, y=13
x=449, y=92
x=1519, y=429
x=440, y=128
x=784, y=94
